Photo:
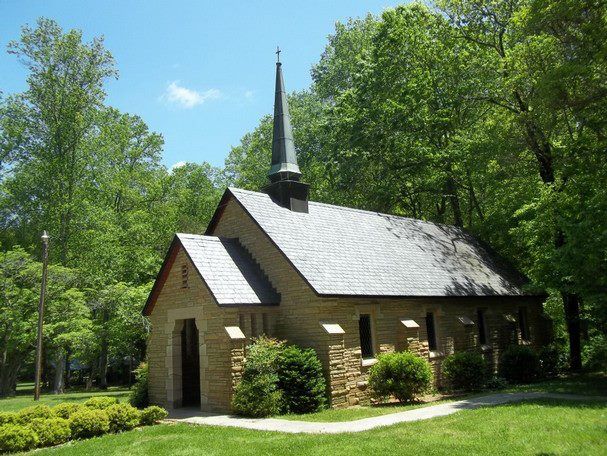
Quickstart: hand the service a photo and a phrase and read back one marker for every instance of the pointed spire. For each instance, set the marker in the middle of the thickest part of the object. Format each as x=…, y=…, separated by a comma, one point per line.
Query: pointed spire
x=284, y=158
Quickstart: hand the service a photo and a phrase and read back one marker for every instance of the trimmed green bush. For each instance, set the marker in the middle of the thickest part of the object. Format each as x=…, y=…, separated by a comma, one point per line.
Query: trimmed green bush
x=14, y=437
x=402, y=375
x=553, y=360
x=139, y=393
x=519, y=364
x=257, y=394
x=301, y=380
x=465, y=371
x=26, y=415
x=89, y=423
x=51, y=431
x=257, y=397
x=66, y=409
x=122, y=417
x=100, y=402
x=152, y=415
x=8, y=418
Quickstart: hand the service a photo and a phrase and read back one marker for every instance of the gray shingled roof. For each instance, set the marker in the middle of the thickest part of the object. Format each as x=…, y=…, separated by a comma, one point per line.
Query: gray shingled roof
x=342, y=251
x=232, y=276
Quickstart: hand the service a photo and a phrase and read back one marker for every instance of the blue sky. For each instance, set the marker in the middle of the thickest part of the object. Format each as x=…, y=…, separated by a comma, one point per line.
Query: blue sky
x=199, y=72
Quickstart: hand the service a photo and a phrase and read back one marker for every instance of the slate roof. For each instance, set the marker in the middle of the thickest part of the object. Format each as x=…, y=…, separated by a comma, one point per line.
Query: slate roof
x=231, y=274
x=341, y=251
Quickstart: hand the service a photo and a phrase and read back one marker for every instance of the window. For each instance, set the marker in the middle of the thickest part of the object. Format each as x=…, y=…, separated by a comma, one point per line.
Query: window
x=184, y=276
x=482, y=326
x=431, y=330
x=254, y=332
x=522, y=323
x=366, y=338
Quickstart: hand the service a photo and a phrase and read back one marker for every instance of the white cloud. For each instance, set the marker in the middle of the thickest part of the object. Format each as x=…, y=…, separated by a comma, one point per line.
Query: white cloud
x=187, y=98
x=179, y=164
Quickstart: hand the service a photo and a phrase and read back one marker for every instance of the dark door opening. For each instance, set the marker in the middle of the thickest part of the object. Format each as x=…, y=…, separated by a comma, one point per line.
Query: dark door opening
x=190, y=364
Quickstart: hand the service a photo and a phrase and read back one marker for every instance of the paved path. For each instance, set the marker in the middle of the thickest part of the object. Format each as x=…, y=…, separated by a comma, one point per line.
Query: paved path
x=308, y=427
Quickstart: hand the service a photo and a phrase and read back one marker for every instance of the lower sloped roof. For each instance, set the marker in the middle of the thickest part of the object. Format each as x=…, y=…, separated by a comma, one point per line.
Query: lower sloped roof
x=341, y=251
x=228, y=270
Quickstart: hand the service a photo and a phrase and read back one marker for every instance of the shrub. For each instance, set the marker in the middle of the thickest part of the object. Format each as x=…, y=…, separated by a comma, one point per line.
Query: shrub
x=51, y=431
x=122, y=417
x=465, y=371
x=262, y=358
x=519, y=364
x=139, y=393
x=257, y=397
x=100, y=402
x=152, y=415
x=66, y=409
x=553, y=360
x=26, y=415
x=402, y=375
x=14, y=437
x=89, y=423
x=301, y=380
x=594, y=353
x=8, y=418
x=257, y=394
x=496, y=383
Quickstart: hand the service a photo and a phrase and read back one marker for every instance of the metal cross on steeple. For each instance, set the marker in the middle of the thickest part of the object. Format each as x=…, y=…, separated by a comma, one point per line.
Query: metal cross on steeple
x=278, y=54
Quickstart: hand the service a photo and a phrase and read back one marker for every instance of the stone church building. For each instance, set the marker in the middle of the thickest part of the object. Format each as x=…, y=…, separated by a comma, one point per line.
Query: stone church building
x=349, y=283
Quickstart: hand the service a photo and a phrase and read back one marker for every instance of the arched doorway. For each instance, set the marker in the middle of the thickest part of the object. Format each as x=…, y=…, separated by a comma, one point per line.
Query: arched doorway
x=190, y=364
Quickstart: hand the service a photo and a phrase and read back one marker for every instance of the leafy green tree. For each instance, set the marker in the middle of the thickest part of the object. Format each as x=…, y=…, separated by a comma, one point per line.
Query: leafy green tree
x=67, y=324
x=18, y=315
x=44, y=129
x=547, y=63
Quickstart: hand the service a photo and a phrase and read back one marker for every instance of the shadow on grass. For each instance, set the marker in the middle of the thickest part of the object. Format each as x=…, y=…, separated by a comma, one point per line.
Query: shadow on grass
x=583, y=384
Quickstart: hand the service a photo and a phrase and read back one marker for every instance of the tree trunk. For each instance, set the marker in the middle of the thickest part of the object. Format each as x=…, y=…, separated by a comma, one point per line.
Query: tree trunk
x=103, y=362
x=451, y=190
x=571, y=303
x=8, y=376
x=58, y=382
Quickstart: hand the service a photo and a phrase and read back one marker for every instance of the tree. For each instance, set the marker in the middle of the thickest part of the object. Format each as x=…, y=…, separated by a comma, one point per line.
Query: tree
x=548, y=64
x=66, y=324
x=45, y=127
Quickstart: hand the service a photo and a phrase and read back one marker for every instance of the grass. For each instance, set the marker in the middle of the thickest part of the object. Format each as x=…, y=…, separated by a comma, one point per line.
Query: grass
x=359, y=412
x=533, y=427
x=587, y=384
x=25, y=397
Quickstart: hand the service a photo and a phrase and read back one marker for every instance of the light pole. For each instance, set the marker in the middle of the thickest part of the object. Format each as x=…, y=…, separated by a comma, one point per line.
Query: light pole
x=41, y=316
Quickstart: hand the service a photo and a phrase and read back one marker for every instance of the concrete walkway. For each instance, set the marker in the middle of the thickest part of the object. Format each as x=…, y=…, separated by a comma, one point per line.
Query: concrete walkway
x=308, y=427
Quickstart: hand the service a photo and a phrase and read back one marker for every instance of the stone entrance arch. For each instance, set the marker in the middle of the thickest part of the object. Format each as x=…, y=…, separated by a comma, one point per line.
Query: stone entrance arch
x=174, y=356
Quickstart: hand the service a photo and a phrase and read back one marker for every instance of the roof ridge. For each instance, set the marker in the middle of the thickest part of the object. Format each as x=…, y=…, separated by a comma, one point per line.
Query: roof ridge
x=353, y=209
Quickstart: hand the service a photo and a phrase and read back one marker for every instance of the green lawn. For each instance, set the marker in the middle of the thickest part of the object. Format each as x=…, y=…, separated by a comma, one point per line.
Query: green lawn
x=588, y=384
x=25, y=394
x=548, y=427
x=529, y=428
x=358, y=412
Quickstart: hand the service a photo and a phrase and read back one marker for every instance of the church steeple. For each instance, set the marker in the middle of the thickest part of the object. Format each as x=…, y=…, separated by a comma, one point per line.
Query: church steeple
x=284, y=174
x=284, y=158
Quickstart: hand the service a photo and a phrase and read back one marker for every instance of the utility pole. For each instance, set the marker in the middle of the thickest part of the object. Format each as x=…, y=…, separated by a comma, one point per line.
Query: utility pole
x=41, y=316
